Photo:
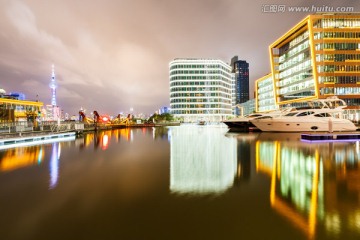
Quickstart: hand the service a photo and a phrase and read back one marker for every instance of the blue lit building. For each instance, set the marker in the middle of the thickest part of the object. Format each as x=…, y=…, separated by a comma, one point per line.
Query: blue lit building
x=164, y=110
x=241, y=70
x=17, y=95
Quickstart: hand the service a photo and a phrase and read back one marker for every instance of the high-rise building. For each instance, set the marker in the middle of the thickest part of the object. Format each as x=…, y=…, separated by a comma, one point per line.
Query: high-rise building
x=317, y=58
x=241, y=70
x=52, y=110
x=264, y=91
x=53, y=86
x=201, y=89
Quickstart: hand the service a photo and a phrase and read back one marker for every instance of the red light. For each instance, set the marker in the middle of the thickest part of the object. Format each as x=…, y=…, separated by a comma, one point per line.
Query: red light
x=105, y=142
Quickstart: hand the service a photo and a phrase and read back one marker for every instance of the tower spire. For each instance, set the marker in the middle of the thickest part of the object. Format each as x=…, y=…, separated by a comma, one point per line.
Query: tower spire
x=53, y=86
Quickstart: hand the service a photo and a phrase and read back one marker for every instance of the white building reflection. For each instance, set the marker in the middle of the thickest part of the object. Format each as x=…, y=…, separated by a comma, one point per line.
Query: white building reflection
x=202, y=160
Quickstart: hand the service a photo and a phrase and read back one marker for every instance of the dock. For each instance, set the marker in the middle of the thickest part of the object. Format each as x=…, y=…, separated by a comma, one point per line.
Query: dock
x=34, y=139
x=24, y=135
x=335, y=136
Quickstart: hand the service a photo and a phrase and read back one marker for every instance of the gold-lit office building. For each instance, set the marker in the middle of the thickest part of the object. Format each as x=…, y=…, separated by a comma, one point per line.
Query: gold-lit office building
x=265, y=97
x=13, y=110
x=319, y=57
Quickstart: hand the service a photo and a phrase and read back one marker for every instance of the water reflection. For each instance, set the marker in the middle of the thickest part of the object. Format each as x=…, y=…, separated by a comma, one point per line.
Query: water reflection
x=312, y=184
x=102, y=139
x=244, y=150
x=202, y=160
x=266, y=182
x=161, y=133
x=22, y=157
x=16, y=158
x=54, y=164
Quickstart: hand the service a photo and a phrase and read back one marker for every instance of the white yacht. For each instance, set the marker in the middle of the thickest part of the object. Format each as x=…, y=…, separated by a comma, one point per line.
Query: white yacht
x=243, y=123
x=317, y=116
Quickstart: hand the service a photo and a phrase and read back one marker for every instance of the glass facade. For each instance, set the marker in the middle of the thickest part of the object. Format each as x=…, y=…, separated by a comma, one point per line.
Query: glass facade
x=318, y=58
x=241, y=70
x=293, y=62
x=201, y=89
x=265, y=98
x=247, y=107
x=337, y=56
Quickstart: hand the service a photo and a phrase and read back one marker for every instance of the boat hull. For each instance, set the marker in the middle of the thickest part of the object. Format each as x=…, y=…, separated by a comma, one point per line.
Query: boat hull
x=241, y=126
x=306, y=125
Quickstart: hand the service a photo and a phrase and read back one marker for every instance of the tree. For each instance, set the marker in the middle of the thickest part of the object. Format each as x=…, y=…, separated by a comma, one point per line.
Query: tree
x=162, y=117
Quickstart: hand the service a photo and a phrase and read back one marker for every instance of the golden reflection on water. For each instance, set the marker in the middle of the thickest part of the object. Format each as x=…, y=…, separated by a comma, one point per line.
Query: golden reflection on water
x=21, y=157
x=306, y=178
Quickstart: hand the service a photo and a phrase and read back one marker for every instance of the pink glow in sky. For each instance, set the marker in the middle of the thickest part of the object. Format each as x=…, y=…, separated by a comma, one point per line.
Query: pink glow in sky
x=110, y=55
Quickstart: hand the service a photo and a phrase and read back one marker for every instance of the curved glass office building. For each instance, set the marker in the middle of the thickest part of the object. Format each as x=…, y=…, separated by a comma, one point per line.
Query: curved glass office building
x=318, y=58
x=201, y=89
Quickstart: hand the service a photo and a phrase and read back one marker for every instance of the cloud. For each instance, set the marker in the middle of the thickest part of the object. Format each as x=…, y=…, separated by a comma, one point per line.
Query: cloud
x=113, y=55
x=24, y=21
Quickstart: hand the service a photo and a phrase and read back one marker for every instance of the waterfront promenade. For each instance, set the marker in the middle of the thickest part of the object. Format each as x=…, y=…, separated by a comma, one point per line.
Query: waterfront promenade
x=15, y=133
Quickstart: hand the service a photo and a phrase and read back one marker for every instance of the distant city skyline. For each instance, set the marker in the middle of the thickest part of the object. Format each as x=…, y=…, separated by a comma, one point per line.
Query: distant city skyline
x=111, y=56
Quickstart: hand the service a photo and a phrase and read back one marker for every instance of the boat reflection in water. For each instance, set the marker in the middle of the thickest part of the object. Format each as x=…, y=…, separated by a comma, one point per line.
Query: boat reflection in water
x=315, y=186
x=202, y=161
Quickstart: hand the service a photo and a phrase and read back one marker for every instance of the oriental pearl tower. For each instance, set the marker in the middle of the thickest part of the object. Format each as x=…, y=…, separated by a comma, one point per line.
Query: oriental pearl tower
x=53, y=85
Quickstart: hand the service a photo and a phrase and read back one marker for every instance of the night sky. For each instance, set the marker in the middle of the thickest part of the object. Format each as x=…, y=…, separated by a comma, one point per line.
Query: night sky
x=110, y=55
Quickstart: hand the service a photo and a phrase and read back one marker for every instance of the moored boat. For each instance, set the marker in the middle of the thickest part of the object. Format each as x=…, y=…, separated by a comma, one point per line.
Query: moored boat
x=319, y=117
x=304, y=123
x=201, y=123
x=244, y=123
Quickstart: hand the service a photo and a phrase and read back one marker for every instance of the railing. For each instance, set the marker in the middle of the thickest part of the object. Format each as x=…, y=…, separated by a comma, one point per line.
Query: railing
x=51, y=126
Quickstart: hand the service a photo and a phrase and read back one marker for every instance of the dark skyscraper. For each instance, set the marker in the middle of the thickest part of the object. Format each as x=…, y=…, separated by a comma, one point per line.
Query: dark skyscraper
x=241, y=70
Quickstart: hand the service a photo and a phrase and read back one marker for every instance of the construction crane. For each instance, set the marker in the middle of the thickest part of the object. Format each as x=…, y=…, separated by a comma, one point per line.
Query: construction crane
x=120, y=120
x=84, y=118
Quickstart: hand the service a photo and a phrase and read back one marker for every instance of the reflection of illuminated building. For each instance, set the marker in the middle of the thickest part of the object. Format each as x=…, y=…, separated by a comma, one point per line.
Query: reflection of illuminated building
x=105, y=142
x=243, y=152
x=54, y=164
x=313, y=184
x=102, y=139
x=160, y=132
x=21, y=157
x=202, y=160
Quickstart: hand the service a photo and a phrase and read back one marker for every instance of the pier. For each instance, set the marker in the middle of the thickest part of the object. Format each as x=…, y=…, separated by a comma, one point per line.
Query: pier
x=24, y=133
x=336, y=136
x=35, y=139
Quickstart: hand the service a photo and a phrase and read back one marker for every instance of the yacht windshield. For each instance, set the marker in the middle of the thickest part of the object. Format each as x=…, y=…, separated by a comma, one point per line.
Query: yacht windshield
x=322, y=115
x=305, y=114
x=290, y=114
x=254, y=115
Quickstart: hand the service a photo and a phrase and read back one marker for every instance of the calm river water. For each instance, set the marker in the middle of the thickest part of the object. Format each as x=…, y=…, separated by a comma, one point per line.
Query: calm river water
x=187, y=182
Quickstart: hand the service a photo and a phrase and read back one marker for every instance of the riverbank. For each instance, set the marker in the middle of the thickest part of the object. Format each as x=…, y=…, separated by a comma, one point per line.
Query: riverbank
x=13, y=136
